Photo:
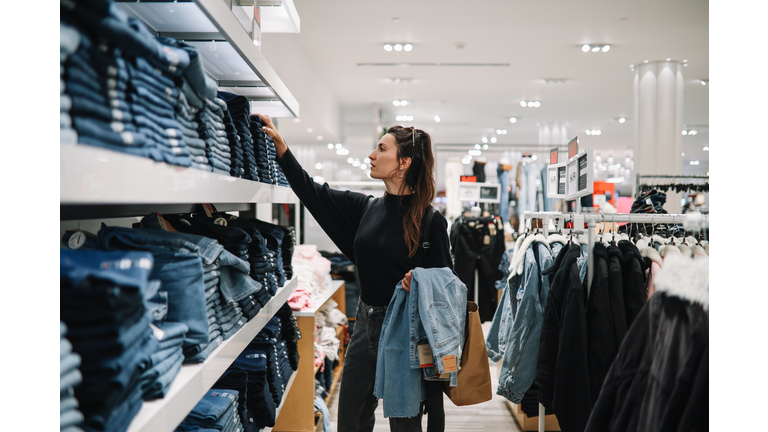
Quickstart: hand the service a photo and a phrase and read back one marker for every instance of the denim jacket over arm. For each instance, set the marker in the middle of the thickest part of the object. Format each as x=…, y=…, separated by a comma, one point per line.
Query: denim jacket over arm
x=518, y=369
x=434, y=311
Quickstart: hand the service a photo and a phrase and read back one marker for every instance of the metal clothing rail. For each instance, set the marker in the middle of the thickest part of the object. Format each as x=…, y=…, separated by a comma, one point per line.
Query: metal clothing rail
x=664, y=176
x=694, y=221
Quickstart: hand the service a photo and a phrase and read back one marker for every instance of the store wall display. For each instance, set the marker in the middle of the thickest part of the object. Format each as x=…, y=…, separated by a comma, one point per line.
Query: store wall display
x=217, y=410
x=150, y=96
x=478, y=246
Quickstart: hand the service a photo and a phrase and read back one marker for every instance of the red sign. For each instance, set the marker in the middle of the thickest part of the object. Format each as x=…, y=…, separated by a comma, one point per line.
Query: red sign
x=257, y=14
x=553, y=156
x=573, y=147
x=470, y=179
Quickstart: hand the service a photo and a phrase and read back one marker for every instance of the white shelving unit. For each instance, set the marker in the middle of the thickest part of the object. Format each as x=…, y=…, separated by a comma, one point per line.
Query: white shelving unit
x=92, y=175
x=322, y=299
x=223, y=34
x=97, y=183
x=194, y=380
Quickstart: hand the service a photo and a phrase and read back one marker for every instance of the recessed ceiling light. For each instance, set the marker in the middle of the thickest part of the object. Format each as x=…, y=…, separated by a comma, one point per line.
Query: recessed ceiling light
x=403, y=102
x=703, y=82
x=355, y=163
x=338, y=146
x=522, y=103
x=705, y=148
x=367, y=160
x=534, y=157
x=693, y=162
x=363, y=166
x=297, y=120
x=606, y=48
x=537, y=104
x=530, y=104
x=477, y=146
x=513, y=120
x=485, y=140
x=309, y=130
x=485, y=146
x=319, y=138
x=493, y=140
x=396, y=102
x=387, y=47
x=350, y=160
x=398, y=47
x=408, y=47
x=595, y=49
x=622, y=120
x=669, y=59
x=438, y=119
x=330, y=146
x=319, y=165
x=645, y=61
x=585, y=48
x=685, y=60
x=682, y=154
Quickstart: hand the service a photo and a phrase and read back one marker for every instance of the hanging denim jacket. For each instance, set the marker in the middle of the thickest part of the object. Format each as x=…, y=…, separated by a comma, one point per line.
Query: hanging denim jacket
x=518, y=369
x=437, y=302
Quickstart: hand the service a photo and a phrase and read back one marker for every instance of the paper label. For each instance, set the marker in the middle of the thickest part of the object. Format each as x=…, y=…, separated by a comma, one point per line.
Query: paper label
x=487, y=240
x=76, y=241
x=164, y=223
x=208, y=210
x=220, y=221
x=449, y=363
x=492, y=229
x=159, y=334
x=425, y=356
x=648, y=201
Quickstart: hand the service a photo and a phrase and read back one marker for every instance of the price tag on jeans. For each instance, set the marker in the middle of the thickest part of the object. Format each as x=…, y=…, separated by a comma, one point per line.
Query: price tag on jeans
x=208, y=210
x=449, y=363
x=159, y=334
x=425, y=356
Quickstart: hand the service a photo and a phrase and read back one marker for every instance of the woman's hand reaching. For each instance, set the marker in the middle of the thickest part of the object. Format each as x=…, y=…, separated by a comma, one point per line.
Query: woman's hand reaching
x=407, y=281
x=271, y=131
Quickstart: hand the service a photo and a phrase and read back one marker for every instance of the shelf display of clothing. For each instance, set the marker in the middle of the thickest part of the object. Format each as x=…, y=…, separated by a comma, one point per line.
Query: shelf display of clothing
x=526, y=182
x=478, y=245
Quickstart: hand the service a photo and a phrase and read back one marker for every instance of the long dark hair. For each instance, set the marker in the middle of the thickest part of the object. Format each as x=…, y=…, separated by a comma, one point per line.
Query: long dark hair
x=417, y=145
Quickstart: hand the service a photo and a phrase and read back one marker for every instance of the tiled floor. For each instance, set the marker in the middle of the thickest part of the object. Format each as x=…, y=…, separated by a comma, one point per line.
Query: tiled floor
x=489, y=416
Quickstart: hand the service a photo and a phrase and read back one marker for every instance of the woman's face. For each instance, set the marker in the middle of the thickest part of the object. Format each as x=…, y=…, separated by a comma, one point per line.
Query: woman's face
x=384, y=164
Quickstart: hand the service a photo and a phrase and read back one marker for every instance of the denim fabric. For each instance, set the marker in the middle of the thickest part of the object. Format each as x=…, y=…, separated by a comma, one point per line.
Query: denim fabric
x=518, y=368
x=159, y=387
x=194, y=73
x=202, y=355
x=69, y=38
x=504, y=199
x=527, y=199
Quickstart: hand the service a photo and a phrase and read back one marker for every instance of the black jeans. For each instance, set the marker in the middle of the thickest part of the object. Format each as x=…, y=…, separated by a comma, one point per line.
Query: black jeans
x=357, y=404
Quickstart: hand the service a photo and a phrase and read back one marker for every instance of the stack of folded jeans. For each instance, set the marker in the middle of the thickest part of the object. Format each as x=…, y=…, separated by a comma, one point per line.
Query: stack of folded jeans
x=102, y=305
x=182, y=262
x=212, y=131
x=217, y=410
x=238, y=107
x=290, y=333
x=166, y=363
x=126, y=84
x=248, y=376
x=262, y=260
x=267, y=341
x=240, y=110
x=286, y=250
x=186, y=116
x=275, y=235
x=70, y=377
x=234, y=239
x=261, y=150
x=69, y=40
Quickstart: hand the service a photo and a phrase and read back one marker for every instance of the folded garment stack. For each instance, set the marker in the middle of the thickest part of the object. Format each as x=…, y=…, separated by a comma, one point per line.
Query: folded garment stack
x=102, y=304
x=217, y=410
x=69, y=39
x=69, y=415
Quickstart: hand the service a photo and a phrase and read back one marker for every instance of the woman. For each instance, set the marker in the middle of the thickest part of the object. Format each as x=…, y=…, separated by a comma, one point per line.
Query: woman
x=382, y=238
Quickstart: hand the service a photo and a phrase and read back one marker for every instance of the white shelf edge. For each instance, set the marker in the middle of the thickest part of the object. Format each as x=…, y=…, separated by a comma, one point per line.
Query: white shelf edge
x=285, y=394
x=225, y=20
x=194, y=380
x=93, y=175
x=326, y=295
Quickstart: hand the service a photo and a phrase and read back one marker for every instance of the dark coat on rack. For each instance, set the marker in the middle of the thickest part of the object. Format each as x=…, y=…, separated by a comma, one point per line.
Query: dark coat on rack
x=660, y=378
x=562, y=369
x=602, y=331
x=633, y=280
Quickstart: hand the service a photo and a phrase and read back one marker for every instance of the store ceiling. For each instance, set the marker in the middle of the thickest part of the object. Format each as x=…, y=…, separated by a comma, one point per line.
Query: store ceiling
x=527, y=42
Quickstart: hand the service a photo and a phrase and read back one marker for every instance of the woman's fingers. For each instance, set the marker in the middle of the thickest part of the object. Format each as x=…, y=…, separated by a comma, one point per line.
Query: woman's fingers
x=407, y=281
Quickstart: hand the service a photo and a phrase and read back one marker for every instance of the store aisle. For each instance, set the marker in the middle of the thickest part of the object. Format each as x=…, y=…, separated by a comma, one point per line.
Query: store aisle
x=493, y=415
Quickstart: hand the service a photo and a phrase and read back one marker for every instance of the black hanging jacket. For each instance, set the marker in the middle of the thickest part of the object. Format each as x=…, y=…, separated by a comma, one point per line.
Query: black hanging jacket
x=633, y=280
x=660, y=378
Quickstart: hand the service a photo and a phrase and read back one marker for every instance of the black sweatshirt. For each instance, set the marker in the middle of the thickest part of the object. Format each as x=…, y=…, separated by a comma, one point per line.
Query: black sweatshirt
x=374, y=240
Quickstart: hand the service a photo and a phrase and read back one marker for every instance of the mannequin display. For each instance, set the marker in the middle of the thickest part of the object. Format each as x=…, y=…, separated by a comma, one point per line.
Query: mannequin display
x=478, y=169
x=527, y=175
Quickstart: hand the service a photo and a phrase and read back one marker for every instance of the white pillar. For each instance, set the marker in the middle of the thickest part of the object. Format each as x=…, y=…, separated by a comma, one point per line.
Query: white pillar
x=658, y=91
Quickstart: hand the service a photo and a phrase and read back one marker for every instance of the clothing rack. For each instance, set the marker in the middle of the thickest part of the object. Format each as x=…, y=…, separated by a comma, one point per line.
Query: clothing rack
x=664, y=176
x=693, y=221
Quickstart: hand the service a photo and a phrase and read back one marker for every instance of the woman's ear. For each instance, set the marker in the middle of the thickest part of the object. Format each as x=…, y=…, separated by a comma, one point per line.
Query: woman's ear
x=405, y=163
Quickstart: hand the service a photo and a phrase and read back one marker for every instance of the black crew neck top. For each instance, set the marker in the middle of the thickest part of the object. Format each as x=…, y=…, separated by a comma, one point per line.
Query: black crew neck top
x=373, y=239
